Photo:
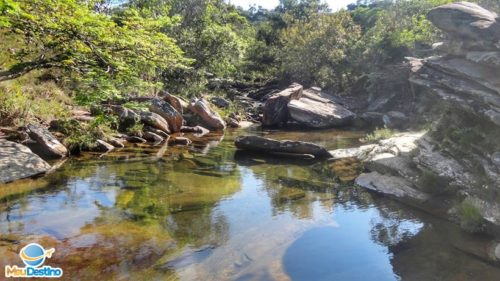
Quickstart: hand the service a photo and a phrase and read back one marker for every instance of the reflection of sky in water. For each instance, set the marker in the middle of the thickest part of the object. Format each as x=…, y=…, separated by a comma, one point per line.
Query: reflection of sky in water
x=60, y=214
x=247, y=232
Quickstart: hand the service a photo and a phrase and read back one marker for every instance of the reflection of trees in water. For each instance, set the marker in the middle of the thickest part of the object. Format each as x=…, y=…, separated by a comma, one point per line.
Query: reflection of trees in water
x=429, y=248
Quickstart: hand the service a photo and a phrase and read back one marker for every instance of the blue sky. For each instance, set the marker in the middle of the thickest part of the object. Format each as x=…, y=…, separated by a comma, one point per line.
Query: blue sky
x=269, y=4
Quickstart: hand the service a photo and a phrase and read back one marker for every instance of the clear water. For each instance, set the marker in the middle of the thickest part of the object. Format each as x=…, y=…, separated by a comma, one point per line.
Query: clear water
x=208, y=214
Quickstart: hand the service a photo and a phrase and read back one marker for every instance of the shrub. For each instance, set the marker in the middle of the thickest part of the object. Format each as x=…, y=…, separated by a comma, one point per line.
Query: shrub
x=470, y=216
x=378, y=134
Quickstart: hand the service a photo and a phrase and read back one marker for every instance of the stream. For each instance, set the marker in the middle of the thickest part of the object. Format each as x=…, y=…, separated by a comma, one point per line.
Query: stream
x=208, y=213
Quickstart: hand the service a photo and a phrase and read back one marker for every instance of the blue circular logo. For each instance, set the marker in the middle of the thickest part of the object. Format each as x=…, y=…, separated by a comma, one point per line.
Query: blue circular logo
x=33, y=255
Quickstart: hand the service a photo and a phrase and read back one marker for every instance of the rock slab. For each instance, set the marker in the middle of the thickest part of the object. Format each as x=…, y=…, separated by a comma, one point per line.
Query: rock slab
x=266, y=145
x=317, y=114
x=45, y=139
x=18, y=162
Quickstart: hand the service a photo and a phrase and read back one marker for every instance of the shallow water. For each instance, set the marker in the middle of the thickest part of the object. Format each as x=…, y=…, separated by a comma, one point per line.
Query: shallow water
x=208, y=214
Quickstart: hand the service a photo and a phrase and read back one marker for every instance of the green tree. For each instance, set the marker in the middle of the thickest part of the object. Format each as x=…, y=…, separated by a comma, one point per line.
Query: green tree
x=318, y=52
x=105, y=55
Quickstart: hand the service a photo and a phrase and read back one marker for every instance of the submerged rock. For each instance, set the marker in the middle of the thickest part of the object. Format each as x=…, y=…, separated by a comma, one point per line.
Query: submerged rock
x=275, y=111
x=180, y=141
x=211, y=118
x=265, y=145
x=44, y=138
x=169, y=113
x=18, y=162
x=319, y=114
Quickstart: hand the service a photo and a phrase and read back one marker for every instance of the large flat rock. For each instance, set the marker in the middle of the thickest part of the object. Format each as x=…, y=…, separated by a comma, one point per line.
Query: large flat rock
x=285, y=147
x=390, y=185
x=18, y=162
x=275, y=111
x=317, y=113
x=467, y=21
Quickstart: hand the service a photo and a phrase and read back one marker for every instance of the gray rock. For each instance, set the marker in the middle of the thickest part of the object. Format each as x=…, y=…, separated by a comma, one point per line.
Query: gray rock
x=265, y=145
x=275, y=110
x=152, y=137
x=487, y=58
x=495, y=158
x=103, y=146
x=154, y=120
x=220, y=102
x=467, y=21
x=180, y=141
x=45, y=139
x=169, y=113
x=443, y=166
x=390, y=185
x=357, y=152
x=18, y=162
x=116, y=142
x=395, y=119
x=134, y=139
x=318, y=114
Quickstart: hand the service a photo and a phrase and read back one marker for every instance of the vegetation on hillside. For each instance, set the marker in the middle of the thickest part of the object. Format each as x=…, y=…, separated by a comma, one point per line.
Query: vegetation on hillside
x=56, y=53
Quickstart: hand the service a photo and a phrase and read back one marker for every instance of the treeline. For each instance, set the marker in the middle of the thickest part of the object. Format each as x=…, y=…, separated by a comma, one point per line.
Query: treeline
x=95, y=50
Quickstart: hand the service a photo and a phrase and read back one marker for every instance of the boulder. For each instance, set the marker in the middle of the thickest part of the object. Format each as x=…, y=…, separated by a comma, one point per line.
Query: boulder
x=395, y=120
x=118, y=143
x=154, y=120
x=179, y=104
x=487, y=58
x=156, y=131
x=199, y=131
x=210, y=118
x=102, y=146
x=180, y=141
x=275, y=110
x=128, y=117
x=169, y=113
x=390, y=185
x=134, y=139
x=220, y=102
x=18, y=162
x=152, y=137
x=44, y=138
x=467, y=22
x=265, y=145
x=317, y=114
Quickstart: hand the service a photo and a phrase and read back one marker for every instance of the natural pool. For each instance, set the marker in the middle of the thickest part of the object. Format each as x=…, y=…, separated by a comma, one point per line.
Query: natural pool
x=208, y=214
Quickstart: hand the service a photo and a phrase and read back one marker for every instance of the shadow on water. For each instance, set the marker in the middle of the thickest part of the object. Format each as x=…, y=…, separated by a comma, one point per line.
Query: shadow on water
x=204, y=214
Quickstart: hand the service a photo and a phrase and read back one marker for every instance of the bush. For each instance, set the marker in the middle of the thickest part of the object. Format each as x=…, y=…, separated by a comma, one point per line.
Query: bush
x=378, y=134
x=28, y=100
x=470, y=216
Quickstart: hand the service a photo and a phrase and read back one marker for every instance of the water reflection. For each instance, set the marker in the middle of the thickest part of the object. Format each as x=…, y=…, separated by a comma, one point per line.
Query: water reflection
x=198, y=214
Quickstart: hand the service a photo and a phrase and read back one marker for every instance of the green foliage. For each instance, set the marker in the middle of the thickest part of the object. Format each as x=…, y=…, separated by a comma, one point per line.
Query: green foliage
x=378, y=134
x=470, y=216
x=136, y=129
x=432, y=183
x=317, y=52
x=82, y=136
x=28, y=100
x=102, y=56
